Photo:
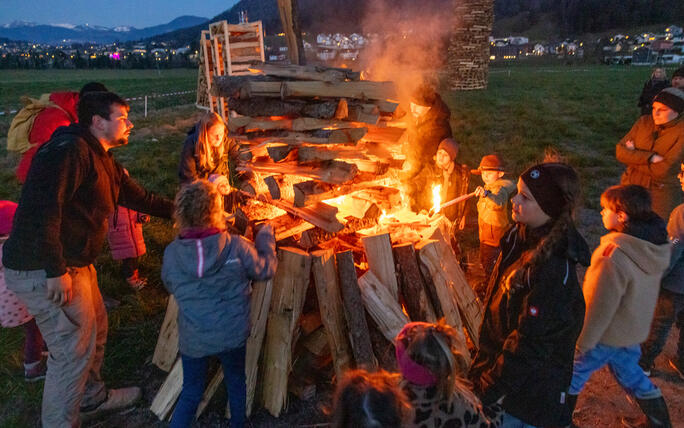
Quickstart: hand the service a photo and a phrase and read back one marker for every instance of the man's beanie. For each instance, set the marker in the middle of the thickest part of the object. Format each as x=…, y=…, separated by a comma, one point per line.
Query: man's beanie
x=671, y=97
x=542, y=180
x=7, y=210
x=678, y=72
x=450, y=146
x=92, y=87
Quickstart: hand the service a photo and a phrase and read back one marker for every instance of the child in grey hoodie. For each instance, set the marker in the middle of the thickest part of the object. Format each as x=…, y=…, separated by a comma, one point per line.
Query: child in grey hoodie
x=209, y=272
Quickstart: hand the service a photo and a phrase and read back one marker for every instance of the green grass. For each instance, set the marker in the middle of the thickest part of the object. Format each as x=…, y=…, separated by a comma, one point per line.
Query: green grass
x=581, y=111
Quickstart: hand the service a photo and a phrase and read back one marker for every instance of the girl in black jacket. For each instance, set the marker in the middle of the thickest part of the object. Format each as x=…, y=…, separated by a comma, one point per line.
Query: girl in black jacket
x=534, y=308
x=204, y=151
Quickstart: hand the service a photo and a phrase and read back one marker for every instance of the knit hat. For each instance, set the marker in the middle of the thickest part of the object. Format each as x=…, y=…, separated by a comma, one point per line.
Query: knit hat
x=489, y=163
x=450, y=146
x=671, y=97
x=678, y=72
x=542, y=180
x=7, y=210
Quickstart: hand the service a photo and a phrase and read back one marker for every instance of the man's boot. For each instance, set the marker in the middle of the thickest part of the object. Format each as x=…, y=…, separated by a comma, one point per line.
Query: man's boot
x=656, y=414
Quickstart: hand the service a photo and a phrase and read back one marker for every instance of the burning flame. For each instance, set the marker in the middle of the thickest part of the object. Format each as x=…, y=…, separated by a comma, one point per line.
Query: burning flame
x=254, y=70
x=436, y=197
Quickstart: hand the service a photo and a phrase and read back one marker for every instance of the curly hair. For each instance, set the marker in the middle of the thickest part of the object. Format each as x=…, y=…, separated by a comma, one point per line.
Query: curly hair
x=369, y=400
x=198, y=204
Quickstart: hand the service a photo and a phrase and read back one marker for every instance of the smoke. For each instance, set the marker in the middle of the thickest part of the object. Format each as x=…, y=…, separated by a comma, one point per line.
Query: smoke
x=409, y=41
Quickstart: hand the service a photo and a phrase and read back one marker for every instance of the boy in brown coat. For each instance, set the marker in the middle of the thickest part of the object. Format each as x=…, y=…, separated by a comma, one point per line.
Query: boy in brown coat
x=621, y=288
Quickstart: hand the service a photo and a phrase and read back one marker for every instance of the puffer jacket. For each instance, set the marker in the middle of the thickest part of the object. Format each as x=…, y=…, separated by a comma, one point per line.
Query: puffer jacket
x=621, y=286
x=125, y=234
x=528, y=335
x=45, y=123
x=659, y=178
x=492, y=211
x=210, y=278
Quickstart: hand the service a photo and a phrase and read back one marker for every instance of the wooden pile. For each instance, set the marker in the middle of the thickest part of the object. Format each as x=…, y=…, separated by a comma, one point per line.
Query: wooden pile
x=309, y=134
x=395, y=284
x=468, y=60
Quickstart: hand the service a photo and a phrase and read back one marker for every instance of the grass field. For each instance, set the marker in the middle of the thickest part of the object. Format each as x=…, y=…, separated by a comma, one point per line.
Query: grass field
x=581, y=111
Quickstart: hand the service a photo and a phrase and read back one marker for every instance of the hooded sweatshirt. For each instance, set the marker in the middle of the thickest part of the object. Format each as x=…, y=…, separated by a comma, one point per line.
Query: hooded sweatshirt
x=210, y=278
x=621, y=286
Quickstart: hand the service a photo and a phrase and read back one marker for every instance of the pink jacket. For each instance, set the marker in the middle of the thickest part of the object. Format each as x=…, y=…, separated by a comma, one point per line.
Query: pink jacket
x=125, y=234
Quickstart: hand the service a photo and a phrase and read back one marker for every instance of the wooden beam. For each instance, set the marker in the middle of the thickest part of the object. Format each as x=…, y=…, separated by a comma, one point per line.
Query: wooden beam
x=332, y=311
x=260, y=303
x=320, y=214
x=289, y=17
x=166, y=351
x=334, y=172
x=356, y=319
x=363, y=90
x=289, y=289
x=308, y=72
x=163, y=402
x=384, y=134
x=382, y=305
x=261, y=106
x=412, y=285
x=273, y=186
x=321, y=136
x=251, y=124
x=378, y=249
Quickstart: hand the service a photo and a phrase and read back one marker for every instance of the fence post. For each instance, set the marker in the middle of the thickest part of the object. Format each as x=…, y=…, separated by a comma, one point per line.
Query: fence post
x=145, y=105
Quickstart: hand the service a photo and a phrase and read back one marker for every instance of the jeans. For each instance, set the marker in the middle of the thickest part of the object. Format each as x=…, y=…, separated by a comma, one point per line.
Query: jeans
x=623, y=363
x=510, y=421
x=670, y=309
x=194, y=381
x=75, y=334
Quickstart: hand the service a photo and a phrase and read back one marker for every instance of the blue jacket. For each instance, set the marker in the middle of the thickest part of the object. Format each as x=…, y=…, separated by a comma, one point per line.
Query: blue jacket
x=210, y=279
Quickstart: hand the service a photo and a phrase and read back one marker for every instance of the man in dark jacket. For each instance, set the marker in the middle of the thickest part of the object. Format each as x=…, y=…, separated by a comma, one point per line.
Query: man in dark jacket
x=73, y=185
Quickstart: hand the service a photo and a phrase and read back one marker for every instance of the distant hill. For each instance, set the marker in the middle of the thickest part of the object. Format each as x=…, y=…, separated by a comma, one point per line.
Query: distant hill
x=53, y=34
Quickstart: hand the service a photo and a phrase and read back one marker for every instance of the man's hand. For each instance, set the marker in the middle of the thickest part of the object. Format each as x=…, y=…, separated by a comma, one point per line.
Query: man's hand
x=59, y=289
x=657, y=158
x=629, y=144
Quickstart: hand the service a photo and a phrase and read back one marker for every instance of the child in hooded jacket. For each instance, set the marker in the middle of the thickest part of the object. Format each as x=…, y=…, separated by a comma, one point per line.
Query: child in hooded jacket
x=621, y=289
x=209, y=271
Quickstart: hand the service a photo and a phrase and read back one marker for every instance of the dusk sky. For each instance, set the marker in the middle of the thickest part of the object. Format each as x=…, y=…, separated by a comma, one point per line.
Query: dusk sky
x=109, y=13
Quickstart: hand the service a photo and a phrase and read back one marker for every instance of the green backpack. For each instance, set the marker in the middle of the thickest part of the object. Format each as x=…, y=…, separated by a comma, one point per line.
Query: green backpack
x=20, y=128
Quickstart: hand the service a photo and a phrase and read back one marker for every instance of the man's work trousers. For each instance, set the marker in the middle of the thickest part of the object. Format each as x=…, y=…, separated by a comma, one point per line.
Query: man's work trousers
x=75, y=334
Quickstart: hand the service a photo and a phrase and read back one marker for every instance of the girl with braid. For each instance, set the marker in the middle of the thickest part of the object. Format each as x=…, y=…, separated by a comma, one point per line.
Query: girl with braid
x=534, y=308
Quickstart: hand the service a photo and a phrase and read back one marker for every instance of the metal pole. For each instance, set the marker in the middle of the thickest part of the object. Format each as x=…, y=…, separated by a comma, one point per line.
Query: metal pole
x=145, y=105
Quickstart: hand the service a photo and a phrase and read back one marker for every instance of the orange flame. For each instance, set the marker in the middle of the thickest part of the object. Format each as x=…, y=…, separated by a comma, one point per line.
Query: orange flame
x=254, y=70
x=436, y=197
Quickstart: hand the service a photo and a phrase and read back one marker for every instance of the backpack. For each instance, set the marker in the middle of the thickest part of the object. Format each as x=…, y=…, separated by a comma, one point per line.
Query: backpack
x=20, y=128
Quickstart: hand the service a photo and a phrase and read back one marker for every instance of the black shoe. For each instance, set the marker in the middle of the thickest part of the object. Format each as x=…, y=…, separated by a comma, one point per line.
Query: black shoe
x=656, y=415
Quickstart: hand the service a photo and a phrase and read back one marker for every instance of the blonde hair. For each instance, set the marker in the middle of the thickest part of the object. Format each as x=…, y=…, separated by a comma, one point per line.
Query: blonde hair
x=199, y=204
x=207, y=154
x=436, y=347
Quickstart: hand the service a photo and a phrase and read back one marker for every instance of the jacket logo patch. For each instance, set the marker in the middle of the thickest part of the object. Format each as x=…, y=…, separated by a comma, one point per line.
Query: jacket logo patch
x=533, y=311
x=534, y=174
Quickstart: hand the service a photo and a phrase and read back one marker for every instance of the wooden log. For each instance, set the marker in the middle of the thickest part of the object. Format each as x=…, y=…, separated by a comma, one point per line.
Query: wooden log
x=314, y=72
x=214, y=383
x=365, y=113
x=317, y=342
x=412, y=285
x=166, y=351
x=310, y=192
x=334, y=172
x=317, y=154
x=382, y=305
x=289, y=18
x=441, y=255
x=320, y=214
x=289, y=289
x=163, y=402
x=252, y=124
x=332, y=311
x=384, y=134
x=363, y=90
x=260, y=303
x=316, y=236
x=260, y=106
x=273, y=186
x=279, y=152
x=310, y=322
x=287, y=225
x=320, y=136
x=378, y=249
x=356, y=320
x=230, y=86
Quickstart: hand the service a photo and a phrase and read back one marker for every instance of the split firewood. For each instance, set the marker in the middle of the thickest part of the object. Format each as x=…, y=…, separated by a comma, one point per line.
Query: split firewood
x=252, y=124
x=279, y=152
x=163, y=402
x=378, y=249
x=229, y=86
x=316, y=154
x=365, y=113
x=319, y=136
x=320, y=73
x=316, y=235
x=412, y=285
x=384, y=134
x=310, y=322
x=258, y=315
x=320, y=214
x=356, y=320
x=273, y=186
x=334, y=172
x=317, y=342
x=166, y=351
x=382, y=306
x=331, y=309
x=287, y=225
x=289, y=289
